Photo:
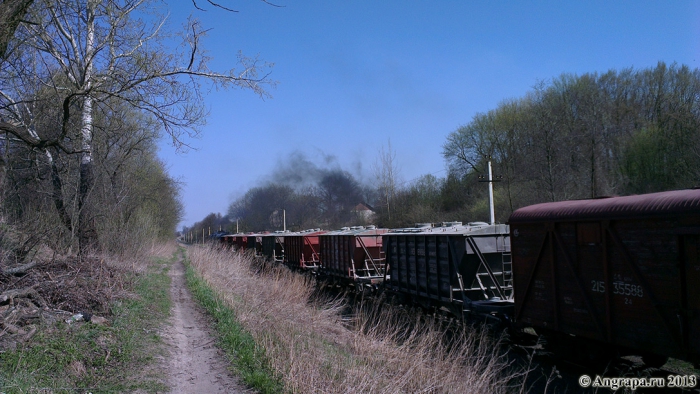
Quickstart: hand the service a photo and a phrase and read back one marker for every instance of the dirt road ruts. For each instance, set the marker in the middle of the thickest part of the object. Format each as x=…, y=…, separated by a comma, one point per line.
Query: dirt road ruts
x=194, y=364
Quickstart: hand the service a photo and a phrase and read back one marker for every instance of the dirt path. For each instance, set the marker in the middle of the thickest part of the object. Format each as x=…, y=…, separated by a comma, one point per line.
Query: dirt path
x=195, y=364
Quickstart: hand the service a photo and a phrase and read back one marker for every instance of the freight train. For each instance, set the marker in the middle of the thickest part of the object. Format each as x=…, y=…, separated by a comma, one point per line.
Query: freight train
x=598, y=278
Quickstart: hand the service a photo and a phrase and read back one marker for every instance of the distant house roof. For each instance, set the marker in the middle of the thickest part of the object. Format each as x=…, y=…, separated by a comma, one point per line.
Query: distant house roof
x=362, y=207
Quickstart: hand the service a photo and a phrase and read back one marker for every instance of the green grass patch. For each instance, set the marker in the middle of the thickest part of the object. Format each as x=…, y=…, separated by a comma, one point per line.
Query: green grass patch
x=681, y=367
x=247, y=357
x=84, y=357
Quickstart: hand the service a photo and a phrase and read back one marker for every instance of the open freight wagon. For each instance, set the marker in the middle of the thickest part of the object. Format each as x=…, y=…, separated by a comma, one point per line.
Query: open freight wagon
x=233, y=241
x=464, y=268
x=615, y=276
x=302, y=249
x=253, y=242
x=272, y=245
x=239, y=242
x=353, y=255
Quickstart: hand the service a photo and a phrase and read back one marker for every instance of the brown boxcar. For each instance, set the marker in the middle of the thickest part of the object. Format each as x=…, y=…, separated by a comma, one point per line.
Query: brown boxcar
x=618, y=274
x=452, y=265
x=302, y=249
x=353, y=255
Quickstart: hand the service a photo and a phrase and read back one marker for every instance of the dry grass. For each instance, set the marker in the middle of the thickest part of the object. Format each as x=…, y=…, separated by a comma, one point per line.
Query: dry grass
x=137, y=260
x=316, y=349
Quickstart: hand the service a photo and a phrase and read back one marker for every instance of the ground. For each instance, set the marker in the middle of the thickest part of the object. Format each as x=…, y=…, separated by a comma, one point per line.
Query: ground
x=93, y=298
x=195, y=364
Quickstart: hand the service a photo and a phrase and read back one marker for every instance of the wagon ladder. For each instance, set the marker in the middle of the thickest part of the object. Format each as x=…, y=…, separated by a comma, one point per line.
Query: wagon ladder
x=371, y=260
x=490, y=273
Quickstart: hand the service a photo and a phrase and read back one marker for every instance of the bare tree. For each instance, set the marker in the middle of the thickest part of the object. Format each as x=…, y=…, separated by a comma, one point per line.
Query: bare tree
x=92, y=54
x=215, y=4
x=386, y=171
x=11, y=14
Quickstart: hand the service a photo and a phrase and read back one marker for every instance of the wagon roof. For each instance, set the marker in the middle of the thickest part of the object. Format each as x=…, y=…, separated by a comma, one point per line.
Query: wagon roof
x=677, y=202
x=307, y=233
x=255, y=234
x=451, y=228
x=276, y=234
x=357, y=230
x=238, y=236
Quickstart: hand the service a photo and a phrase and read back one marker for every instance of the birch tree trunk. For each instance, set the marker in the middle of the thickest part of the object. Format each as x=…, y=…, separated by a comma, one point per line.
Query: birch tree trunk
x=84, y=58
x=87, y=236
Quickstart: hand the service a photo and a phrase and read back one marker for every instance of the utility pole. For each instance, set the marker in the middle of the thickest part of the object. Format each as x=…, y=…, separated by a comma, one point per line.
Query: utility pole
x=491, y=180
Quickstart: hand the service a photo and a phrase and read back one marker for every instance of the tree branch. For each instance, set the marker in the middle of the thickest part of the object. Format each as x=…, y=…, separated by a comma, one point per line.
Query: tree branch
x=19, y=269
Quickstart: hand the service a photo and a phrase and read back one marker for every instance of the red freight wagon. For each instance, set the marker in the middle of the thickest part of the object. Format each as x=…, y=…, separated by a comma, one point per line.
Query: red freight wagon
x=234, y=241
x=353, y=254
x=616, y=275
x=302, y=249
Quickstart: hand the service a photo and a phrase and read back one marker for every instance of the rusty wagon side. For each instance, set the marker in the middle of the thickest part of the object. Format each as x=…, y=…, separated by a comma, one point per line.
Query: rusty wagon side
x=615, y=275
x=353, y=255
x=302, y=249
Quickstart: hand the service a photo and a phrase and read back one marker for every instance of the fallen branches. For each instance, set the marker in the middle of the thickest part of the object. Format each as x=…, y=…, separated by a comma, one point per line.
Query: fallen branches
x=18, y=312
x=22, y=269
x=27, y=292
x=50, y=293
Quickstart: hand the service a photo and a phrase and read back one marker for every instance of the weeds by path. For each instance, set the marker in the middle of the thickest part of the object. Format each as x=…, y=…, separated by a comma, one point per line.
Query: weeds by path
x=247, y=357
x=316, y=349
x=85, y=357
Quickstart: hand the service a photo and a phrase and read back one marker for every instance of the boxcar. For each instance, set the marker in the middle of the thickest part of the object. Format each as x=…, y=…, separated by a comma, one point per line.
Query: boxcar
x=302, y=249
x=465, y=268
x=353, y=255
x=618, y=274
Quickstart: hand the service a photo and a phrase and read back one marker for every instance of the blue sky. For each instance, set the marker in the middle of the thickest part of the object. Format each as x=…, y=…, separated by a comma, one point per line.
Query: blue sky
x=354, y=74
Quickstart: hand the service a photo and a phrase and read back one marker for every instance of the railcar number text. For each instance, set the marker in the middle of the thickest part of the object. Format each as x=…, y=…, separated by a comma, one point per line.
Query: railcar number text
x=619, y=288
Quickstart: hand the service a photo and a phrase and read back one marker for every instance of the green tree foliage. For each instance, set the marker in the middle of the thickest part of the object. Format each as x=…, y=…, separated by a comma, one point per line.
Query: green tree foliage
x=586, y=136
x=615, y=133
